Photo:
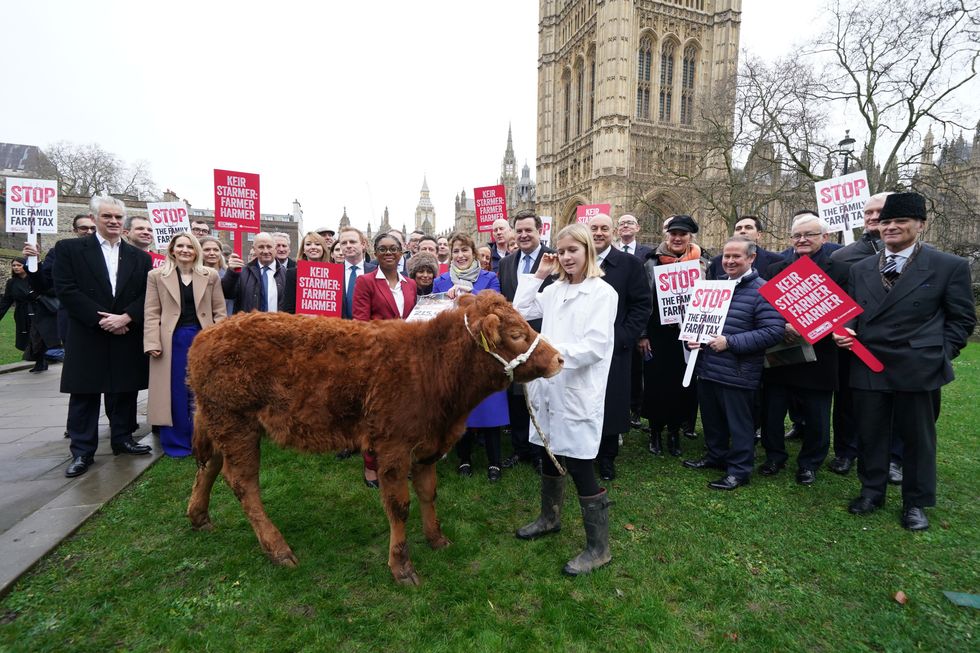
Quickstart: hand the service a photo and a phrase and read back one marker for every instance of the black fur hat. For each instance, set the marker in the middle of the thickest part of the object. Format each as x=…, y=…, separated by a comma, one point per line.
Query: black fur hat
x=904, y=205
x=682, y=223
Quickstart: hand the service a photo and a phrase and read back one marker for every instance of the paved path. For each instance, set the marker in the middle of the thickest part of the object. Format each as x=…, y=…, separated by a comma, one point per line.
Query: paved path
x=39, y=507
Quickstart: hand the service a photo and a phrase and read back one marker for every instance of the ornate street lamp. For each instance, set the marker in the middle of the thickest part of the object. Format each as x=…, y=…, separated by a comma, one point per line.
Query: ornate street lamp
x=846, y=148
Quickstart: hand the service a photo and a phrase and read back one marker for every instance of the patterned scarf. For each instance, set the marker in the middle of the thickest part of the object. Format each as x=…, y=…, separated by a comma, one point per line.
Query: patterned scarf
x=665, y=257
x=464, y=279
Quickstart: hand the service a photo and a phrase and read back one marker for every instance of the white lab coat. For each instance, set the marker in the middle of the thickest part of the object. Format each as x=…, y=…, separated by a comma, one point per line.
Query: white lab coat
x=578, y=320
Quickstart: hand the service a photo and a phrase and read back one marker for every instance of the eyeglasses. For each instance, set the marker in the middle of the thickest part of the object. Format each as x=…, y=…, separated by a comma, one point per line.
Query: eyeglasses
x=387, y=250
x=810, y=235
x=630, y=222
x=86, y=229
x=197, y=231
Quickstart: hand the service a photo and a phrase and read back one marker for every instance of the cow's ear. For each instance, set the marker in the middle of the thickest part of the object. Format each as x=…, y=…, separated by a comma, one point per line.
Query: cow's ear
x=490, y=327
x=466, y=300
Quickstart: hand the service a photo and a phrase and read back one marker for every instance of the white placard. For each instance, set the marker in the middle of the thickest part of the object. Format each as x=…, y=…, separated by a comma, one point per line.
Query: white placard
x=168, y=219
x=32, y=206
x=428, y=306
x=546, y=224
x=841, y=200
x=674, y=284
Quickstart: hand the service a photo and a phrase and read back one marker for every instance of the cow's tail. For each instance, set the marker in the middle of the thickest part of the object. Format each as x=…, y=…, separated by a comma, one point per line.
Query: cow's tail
x=201, y=444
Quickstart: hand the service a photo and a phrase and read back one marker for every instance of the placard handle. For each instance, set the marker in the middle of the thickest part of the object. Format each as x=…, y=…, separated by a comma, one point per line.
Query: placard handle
x=691, y=362
x=862, y=352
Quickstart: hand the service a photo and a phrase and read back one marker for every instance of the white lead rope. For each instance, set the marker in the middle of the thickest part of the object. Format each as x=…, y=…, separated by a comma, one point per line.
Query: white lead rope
x=509, y=368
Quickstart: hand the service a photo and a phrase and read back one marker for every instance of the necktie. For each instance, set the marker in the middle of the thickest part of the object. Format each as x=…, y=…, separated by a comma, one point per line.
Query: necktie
x=626, y=248
x=349, y=295
x=527, y=264
x=264, y=290
x=890, y=269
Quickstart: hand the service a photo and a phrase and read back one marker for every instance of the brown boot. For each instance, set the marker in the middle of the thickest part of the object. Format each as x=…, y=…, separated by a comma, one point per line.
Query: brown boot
x=595, y=518
x=549, y=521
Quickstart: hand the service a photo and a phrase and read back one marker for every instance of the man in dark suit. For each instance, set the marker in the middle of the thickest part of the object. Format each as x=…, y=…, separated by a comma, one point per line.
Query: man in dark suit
x=749, y=227
x=918, y=313
x=352, y=245
x=260, y=285
x=628, y=228
x=283, y=246
x=498, y=248
x=101, y=282
x=527, y=227
x=812, y=383
x=625, y=273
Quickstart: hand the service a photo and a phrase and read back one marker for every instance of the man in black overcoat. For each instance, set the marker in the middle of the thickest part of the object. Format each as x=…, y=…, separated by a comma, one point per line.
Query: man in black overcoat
x=101, y=282
x=812, y=383
x=624, y=272
x=918, y=313
x=527, y=227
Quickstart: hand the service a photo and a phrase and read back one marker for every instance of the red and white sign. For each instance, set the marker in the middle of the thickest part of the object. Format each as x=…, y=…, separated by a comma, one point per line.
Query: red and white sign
x=236, y=201
x=674, y=284
x=319, y=288
x=705, y=314
x=168, y=220
x=816, y=306
x=491, y=204
x=32, y=206
x=841, y=201
x=158, y=259
x=546, y=224
x=586, y=211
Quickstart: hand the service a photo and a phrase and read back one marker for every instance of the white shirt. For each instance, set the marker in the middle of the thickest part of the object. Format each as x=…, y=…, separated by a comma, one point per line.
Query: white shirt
x=901, y=258
x=110, y=253
x=520, y=259
x=396, y=292
x=602, y=256
x=579, y=321
x=622, y=247
x=347, y=266
x=271, y=289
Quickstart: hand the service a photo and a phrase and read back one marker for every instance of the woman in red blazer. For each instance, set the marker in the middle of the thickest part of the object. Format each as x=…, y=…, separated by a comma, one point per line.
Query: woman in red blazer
x=382, y=294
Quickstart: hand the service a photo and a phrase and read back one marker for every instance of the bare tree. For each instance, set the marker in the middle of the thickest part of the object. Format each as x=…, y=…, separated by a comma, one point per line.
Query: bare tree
x=89, y=169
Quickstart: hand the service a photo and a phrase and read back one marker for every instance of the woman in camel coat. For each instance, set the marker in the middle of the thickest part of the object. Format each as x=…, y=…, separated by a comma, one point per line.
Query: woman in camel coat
x=182, y=297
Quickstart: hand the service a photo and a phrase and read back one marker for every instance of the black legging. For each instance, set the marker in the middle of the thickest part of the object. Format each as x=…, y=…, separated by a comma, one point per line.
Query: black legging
x=491, y=438
x=580, y=470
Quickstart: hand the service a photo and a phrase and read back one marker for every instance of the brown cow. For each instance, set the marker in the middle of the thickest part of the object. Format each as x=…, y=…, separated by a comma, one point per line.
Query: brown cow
x=325, y=384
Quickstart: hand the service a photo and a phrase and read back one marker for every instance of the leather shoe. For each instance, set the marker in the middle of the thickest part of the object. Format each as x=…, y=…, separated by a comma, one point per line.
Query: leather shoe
x=344, y=454
x=702, y=463
x=607, y=469
x=511, y=462
x=78, y=466
x=914, y=518
x=770, y=468
x=805, y=476
x=635, y=421
x=841, y=465
x=895, y=474
x=493, y=473
x=465, y=469
x=374, y=485
x=862, y=505
x=795, y=432
x=728, y=483
x=128, y=446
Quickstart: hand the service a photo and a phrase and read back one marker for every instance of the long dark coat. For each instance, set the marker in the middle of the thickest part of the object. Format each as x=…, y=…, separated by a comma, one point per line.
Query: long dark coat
x=624, y=272
x=28, y=312
x=97, y=361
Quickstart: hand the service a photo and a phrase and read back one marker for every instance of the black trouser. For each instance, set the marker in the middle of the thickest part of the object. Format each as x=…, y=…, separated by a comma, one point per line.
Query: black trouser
x=491, y=439
x=636, y=382
x=910, y=417
x=83, y=420
x=814, y=406
x=845, y=438
x=729, y=431
x=520, y=423
x=608, y=446
x=580, y=470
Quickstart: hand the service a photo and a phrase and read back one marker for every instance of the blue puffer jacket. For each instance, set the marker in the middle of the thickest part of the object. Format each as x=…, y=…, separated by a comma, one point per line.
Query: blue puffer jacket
x=752, y=326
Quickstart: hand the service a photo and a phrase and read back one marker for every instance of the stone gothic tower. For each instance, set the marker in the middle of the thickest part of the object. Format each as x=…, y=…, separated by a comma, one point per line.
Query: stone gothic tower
x=344, y=220
x=425, y=213
x=620, y=83
x=385, y=223
x=508, y=171
x=928, y=145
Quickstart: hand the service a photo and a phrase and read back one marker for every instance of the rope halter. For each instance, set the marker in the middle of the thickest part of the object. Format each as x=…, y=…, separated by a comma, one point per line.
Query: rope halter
x=509, y=367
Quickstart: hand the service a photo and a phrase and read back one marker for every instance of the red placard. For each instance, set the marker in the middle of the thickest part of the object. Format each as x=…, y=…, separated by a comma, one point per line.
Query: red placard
x=816, y=306
x=236, y=201
x=491, y=204
x=319, y=288
x=586, y=211
x=158, y=259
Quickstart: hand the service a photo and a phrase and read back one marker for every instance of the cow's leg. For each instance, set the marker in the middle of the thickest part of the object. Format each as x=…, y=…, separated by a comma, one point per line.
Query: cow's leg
x=424, y=480
x=200, y=501
x=394, y=495
x=241, y=472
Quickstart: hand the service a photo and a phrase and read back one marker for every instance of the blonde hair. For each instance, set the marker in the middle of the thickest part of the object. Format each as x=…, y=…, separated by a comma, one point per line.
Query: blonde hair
x=203, y=240
x=581, y=235
x=319, y=240
x=171, y=263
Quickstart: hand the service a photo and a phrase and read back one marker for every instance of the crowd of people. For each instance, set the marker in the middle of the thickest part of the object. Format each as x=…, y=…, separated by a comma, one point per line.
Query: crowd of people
x=593, y=297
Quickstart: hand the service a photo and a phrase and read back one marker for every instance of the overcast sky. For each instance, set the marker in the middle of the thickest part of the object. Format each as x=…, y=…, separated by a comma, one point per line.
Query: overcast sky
x=335, y=104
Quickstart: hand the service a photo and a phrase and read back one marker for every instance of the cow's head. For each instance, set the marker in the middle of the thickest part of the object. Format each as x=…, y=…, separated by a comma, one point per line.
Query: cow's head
x=502, y=332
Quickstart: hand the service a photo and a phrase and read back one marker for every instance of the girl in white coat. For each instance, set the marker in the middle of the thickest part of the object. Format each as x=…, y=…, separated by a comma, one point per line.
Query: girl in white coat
x=578, y=314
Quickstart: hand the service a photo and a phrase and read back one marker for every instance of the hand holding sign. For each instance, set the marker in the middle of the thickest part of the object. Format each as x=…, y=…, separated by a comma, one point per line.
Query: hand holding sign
x=815, y=306
x=704, y=320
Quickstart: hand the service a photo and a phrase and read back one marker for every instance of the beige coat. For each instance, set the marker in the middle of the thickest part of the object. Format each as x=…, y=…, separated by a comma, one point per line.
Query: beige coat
x=159, y=321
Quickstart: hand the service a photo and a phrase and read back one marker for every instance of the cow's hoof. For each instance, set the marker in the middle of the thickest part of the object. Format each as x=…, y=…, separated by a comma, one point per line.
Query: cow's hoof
x=202, y=523
x=408, y=577
x=440, y=542
x=286, y=559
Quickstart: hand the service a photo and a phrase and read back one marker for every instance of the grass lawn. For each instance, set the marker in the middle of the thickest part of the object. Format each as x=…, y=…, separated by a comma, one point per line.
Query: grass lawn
x=771, y=567
x=8, y=353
